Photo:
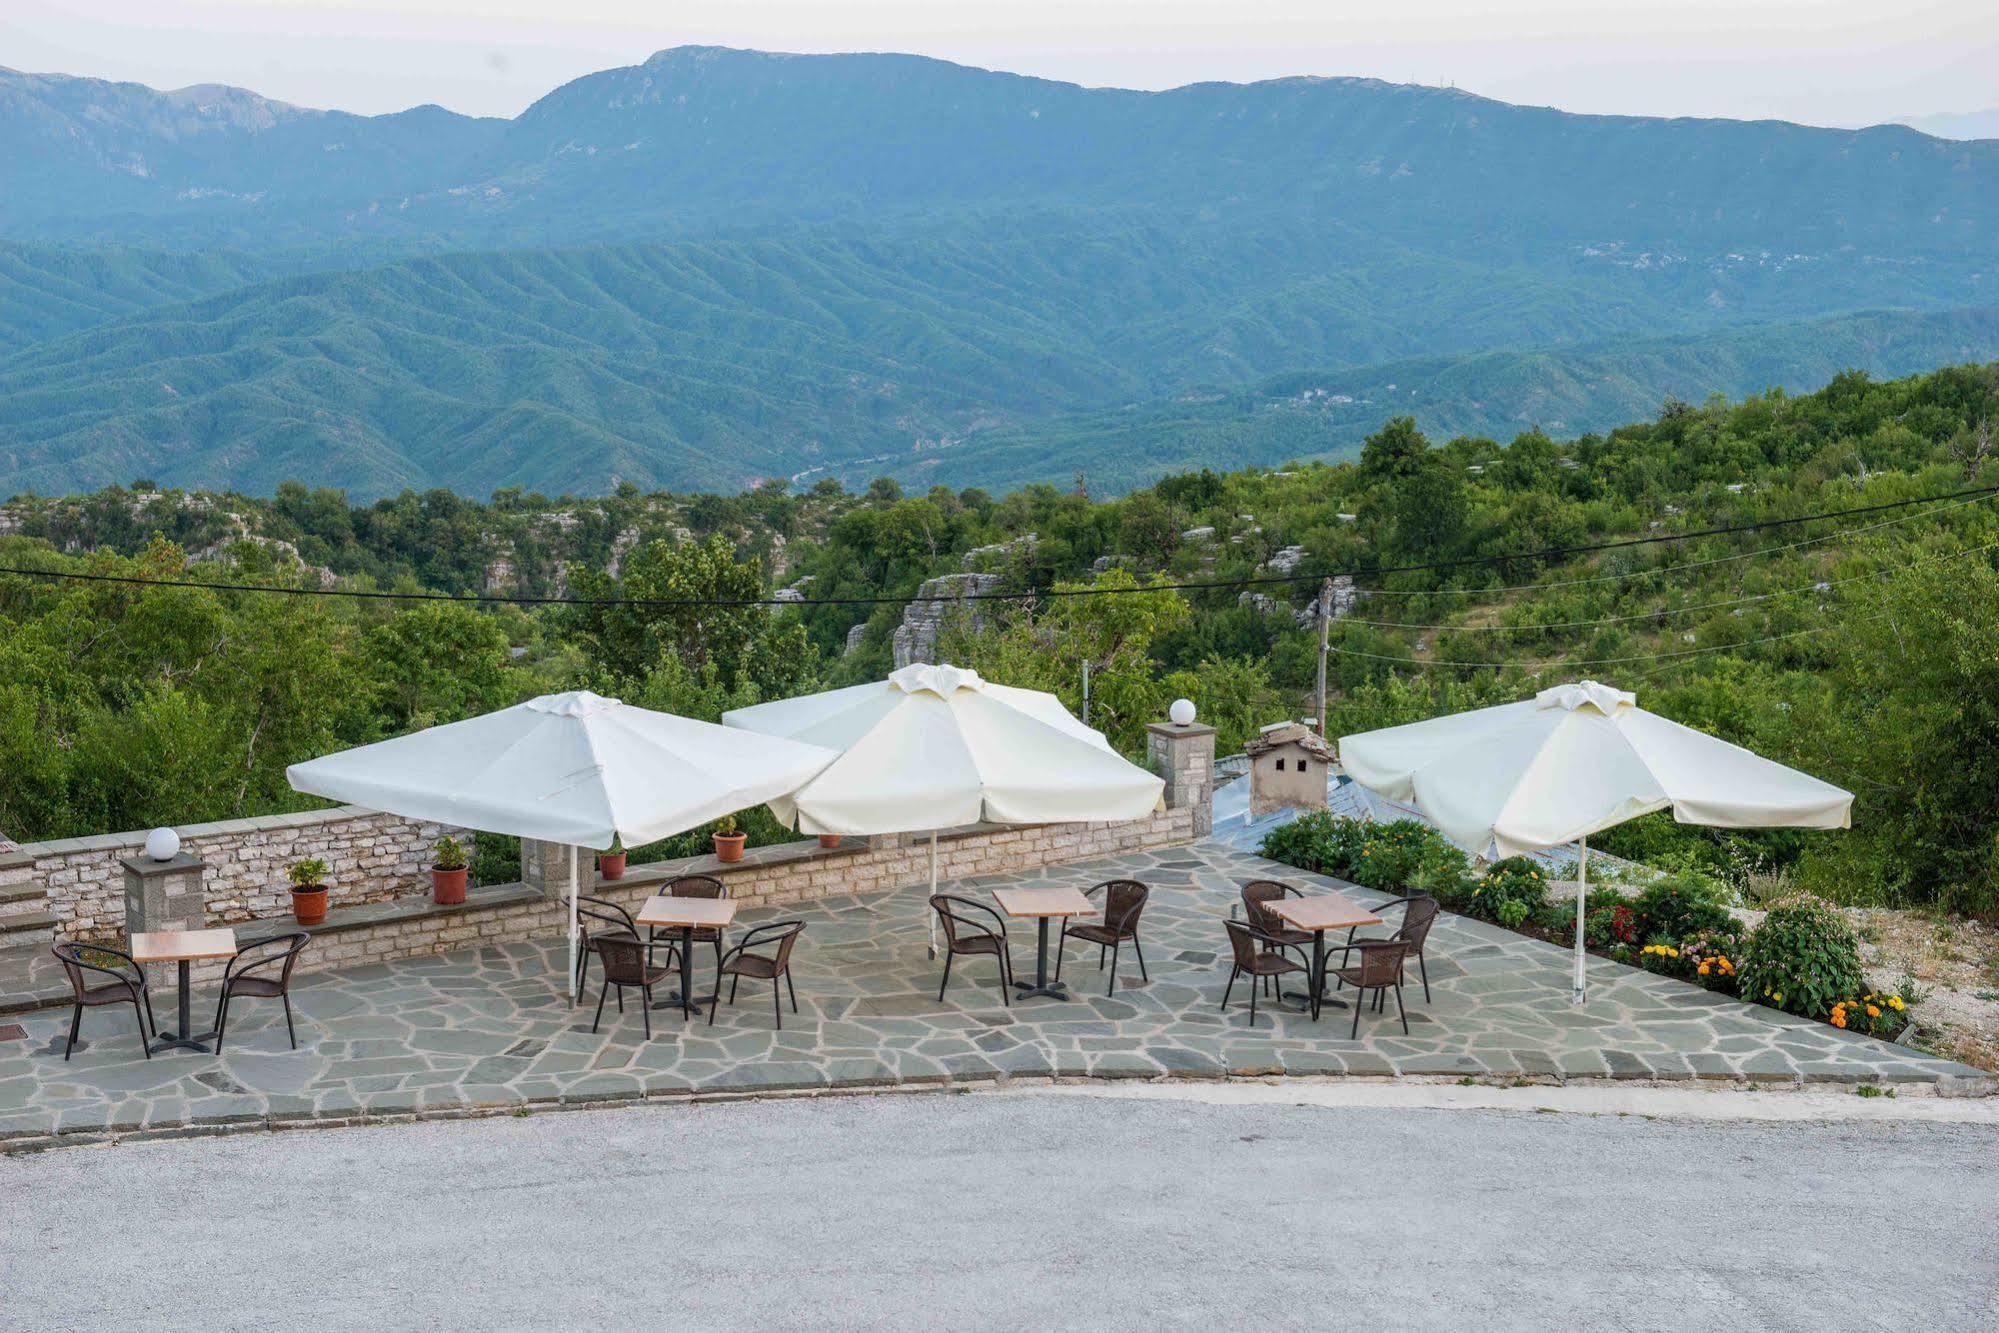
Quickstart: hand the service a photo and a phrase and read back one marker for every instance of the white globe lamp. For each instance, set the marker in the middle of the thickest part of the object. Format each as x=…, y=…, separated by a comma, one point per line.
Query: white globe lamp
x=163, y=844
x=1181, y=713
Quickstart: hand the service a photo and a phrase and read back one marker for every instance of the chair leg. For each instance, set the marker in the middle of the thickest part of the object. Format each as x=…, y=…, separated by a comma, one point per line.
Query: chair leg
x=947, y=976
x=1359, y=1003
x=1252, y=1006
x=1005, y=983
x=76, y=1026
x=734, y=982
x=1061, y=947
x=582, y=976
x=149, y=1010
x=1229, y=989
x=144, y=1044
x=714, y=1003
x=602, y=991
x=645, y=1007
x=776, y=1003
x=1142, y=973
x=221, y=1017
x=1112, y=987
x=290, y=1031
x=1400, y=1012
x=791, y=988
x=1424, y=968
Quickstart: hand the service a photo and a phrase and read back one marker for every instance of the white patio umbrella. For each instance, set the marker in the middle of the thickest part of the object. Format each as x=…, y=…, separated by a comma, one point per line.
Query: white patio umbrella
x=934, y=747
x=1571, y=761
x=573, y=768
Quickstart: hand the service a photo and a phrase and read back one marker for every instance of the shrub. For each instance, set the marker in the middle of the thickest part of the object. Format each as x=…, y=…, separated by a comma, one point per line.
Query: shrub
x=1803, y=959
x=1306, y=842
x=1678, y=907
x=1398, y=857
x=1712, y=958
x=1510, y=892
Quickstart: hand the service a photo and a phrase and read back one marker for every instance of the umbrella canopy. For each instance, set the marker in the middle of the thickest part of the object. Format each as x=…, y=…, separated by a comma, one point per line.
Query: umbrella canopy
x=574, y=768
x=936, y=746
x=1574, y=760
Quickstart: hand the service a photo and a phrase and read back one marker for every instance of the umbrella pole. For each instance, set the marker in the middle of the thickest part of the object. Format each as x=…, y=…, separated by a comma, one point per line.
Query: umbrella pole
x=933, y=892
x=575, y=873
x=1582, y=896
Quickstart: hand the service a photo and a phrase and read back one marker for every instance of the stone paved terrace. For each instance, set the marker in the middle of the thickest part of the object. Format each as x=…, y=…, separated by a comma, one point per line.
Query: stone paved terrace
x=491, y=1029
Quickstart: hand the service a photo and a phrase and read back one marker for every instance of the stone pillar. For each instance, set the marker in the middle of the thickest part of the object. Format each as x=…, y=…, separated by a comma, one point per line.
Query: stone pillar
x=1185, y=757
x=164, y=895
x=554, y=867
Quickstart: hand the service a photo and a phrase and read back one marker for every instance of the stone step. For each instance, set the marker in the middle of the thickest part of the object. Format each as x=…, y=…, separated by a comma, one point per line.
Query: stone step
x=30, y=977
x=14, y=893
x=25, y=923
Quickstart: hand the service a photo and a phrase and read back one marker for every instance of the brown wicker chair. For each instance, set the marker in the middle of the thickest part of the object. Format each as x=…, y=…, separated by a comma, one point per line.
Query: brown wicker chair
x=122, y=987
x=626, y=966
x=1258, y=956
x=1419, y=913
x=600, y=919
x=1380, y=970
x=1255, y=895
x=1124, y=899
x=740, y=962
x=966, y=932
x=696, y=886
x=248, y=973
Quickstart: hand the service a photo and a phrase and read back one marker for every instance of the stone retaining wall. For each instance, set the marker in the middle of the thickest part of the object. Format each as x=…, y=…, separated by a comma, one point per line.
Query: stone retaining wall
x=375, y=857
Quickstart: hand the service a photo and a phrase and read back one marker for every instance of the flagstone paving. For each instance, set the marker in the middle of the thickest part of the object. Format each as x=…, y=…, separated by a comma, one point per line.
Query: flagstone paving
x=492, y=1028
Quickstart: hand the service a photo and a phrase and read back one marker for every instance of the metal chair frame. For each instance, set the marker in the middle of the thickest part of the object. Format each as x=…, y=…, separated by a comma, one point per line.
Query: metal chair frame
x=950, y=909
x=627, y=963
x=248, y=963
x=783, y=934
x=1124, y=927
x=1273, y=949
x=1413, y=931
x=70, y=955
x=1372, y=975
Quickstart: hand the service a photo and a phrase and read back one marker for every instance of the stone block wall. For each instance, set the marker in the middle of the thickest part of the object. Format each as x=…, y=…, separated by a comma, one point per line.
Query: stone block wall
x=375, y=857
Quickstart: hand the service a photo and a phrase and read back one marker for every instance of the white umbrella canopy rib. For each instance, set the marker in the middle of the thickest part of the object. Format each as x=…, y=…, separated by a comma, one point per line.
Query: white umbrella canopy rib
x=1575, y=760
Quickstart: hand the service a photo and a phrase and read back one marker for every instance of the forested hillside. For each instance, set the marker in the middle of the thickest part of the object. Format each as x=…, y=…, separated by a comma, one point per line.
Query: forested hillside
x=1863, y=647
x=718, y=266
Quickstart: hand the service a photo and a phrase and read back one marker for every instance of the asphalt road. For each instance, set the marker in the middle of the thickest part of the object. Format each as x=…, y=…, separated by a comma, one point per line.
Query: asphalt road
x=1011, y=1212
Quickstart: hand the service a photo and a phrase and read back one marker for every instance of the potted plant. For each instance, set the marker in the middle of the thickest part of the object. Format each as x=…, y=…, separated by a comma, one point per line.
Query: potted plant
x=611, y=862
x=729, y=839
x=308, y=879
x=447, y=872
x=829, y=840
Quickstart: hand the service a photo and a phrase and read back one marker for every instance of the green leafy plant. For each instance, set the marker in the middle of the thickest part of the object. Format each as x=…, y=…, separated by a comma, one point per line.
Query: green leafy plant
x=1803, y=959
x=1877, y=1014
x=450, y=854
x=1510, y=892
x=309, y=874
x=726, y=827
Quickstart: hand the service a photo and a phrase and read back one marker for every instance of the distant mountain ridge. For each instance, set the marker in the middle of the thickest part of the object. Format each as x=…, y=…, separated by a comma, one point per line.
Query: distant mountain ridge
x=720, y=265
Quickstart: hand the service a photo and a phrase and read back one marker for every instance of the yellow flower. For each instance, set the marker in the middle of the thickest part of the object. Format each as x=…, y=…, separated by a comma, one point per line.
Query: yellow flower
x=1895, y=1002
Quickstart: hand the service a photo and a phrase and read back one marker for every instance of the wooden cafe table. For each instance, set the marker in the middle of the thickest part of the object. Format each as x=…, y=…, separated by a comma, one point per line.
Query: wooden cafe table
x=1319, y=913
x=686, y=915
x=182, y=948
x=1043, y=905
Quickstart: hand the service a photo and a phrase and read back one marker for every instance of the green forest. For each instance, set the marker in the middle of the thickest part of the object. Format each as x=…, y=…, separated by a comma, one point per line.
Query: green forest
x=1862, y=648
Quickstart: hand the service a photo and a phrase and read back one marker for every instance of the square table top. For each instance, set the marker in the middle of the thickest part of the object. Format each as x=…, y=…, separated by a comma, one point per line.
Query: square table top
x=1062, y=901
x=667, y=910
x=1321, y=911
x=174, y=946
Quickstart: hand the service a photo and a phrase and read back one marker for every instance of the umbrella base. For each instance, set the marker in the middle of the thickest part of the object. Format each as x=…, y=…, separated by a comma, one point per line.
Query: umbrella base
x=1054, y=990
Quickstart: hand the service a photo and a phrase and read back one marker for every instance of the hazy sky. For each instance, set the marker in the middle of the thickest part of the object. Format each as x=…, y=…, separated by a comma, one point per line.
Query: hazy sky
x=1820, y=61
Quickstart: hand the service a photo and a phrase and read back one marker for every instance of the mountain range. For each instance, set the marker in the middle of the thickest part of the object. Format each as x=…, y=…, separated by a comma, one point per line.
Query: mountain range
x=719, y=266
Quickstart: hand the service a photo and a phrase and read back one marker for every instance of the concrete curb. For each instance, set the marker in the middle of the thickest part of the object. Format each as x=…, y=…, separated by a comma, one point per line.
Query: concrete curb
x=1282, y=1085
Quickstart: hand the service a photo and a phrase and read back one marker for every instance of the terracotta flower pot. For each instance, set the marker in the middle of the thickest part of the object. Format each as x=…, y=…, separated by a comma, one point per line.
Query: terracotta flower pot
x=829, y=840
x=447, y=886
x=309, y=905
x=611, y=865
x=729, y=846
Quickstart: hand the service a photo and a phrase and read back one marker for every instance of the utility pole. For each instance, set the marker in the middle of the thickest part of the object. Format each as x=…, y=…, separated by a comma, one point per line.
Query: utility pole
x=1086, y=691
x=1325, y=626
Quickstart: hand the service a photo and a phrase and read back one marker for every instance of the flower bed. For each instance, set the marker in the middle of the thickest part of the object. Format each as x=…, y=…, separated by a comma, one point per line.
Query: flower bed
x=1803, y=959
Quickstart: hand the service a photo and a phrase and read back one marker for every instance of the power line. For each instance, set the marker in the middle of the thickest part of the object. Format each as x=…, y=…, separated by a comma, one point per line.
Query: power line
x=520, y=599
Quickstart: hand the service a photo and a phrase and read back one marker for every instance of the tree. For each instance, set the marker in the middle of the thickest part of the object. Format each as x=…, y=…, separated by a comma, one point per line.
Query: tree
x=1393, y=454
